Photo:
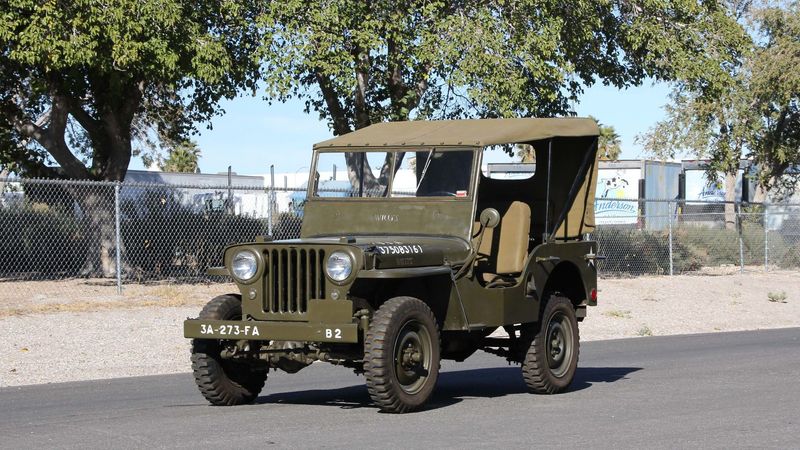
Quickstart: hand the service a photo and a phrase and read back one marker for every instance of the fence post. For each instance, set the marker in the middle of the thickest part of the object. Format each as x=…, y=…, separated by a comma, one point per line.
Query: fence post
x=739, y=225
x=766, y=239
x=117, y=237
x=669, y=209
x=271, y=198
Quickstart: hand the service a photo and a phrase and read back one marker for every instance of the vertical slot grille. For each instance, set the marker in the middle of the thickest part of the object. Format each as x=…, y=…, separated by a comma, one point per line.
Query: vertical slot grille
x=294, y=276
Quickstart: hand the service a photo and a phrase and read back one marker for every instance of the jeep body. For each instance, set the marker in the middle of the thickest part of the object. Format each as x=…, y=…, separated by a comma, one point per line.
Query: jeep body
x=434, y=270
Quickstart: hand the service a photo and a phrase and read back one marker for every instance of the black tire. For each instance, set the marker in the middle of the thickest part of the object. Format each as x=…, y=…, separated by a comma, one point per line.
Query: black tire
x=401, y=355
x=552, y=358
x=224, y=382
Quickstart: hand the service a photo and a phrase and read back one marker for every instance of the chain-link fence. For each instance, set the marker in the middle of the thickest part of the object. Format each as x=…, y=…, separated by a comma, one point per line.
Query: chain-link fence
x=700, y=237
x=125, y=233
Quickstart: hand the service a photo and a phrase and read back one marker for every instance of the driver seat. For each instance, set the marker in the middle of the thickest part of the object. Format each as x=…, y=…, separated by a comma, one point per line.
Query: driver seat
x=501, y=256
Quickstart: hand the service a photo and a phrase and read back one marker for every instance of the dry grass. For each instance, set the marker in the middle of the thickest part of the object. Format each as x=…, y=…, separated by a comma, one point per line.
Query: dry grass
x=47, y=297
x=777, y=297
x=618, y=313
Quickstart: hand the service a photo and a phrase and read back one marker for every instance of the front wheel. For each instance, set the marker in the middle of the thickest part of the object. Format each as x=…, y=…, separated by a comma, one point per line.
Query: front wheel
x=552, y=358
x=401, y=355
x=224, y=382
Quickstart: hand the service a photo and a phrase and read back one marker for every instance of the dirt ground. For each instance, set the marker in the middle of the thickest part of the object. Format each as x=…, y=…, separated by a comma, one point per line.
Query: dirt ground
x=79, y=330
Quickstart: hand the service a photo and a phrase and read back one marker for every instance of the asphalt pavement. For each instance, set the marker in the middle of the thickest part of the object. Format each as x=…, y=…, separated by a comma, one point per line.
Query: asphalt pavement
x=723, y=390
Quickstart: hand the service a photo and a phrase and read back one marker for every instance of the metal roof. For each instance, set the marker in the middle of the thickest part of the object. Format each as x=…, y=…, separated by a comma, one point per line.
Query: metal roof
x=469, y=132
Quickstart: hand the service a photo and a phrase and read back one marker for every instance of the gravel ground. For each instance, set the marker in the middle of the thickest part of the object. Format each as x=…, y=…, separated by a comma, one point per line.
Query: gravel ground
x=78, y=330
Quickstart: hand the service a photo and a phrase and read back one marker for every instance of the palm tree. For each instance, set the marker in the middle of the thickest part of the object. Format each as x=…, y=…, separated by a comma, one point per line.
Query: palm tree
x=182, y=158
x=526, y=153
x=609, y=143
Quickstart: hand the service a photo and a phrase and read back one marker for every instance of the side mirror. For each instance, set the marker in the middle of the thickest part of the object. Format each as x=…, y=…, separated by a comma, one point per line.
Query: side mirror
x=490, y=218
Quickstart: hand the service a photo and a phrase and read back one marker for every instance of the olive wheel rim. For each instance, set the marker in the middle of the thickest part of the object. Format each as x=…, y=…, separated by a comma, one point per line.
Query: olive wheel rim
x=559, y=344
x=413, y=356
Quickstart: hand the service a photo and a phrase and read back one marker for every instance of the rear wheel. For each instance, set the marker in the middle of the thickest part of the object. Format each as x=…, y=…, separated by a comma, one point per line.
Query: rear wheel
x=552, y=358
x=401, y=355
x=224, y=382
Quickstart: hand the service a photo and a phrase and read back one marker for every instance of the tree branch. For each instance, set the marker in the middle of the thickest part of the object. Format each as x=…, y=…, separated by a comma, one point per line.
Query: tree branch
x=340, y=124
x=58, y=148
x=52, y=138
x=362, y=84
x=86, y=121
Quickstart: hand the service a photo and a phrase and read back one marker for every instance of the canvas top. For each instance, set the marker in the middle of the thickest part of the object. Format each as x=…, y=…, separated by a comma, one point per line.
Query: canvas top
x=470, y=132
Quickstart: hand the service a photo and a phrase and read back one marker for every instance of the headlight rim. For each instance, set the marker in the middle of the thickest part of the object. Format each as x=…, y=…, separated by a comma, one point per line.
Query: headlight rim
x=257, y=269
x=351, y=272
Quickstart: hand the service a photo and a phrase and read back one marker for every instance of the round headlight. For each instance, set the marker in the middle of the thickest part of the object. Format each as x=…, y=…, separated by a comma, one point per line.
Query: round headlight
x=244, y=265
x=339, y=266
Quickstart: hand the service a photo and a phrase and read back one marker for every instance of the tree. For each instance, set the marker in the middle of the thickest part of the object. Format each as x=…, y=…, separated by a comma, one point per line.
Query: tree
x=182, y=158
x=356, y=63
x=80, y=80
x=775, y=87
x=526, y=153
x=755, y=114
x=609, y=144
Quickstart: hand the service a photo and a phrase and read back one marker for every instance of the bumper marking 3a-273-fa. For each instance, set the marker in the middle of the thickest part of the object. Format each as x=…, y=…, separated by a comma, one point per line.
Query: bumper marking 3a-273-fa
x=260, y=331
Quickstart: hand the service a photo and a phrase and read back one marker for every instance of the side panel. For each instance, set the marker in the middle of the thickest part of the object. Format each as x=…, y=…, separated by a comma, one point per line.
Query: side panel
x=493, y=307
x=546, y=258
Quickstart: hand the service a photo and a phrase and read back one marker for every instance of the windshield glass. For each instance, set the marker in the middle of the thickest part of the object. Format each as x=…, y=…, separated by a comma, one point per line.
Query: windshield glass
x=422, y=173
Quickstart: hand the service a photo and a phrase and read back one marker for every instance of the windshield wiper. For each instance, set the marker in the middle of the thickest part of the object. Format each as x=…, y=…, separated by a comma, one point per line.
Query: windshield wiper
x=425, y=169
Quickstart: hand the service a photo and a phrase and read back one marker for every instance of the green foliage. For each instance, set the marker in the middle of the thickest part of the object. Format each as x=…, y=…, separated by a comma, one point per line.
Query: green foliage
x=182, y=158
x=777, y=297
x=357, y=63
x=288, y=226
x=753, y=113
x=32, y=234
x=637, y=252
x=195, y=239
x=80, y=80
x=526, y=153
x=609, y=143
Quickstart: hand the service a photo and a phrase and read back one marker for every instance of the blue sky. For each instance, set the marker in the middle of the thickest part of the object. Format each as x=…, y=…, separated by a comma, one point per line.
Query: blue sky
x=252, y=134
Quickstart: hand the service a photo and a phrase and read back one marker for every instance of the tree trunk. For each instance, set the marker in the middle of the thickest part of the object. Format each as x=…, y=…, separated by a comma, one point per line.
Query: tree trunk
x=730, y=198
x=3, y=176
x=760, y=195
x=98, y=209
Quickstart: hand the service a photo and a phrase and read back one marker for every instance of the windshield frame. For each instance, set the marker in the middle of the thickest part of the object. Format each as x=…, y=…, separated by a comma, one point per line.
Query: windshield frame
x=473, y=183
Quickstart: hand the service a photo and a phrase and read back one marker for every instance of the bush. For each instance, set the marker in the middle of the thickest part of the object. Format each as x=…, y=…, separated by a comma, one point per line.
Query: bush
x=41, y=242
x=288, y=226
x=163, y=238
x=631, y=251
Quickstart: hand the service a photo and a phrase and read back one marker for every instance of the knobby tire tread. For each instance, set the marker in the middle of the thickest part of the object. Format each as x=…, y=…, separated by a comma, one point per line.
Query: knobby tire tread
x=218, y=387
x=380, y=383
x=534, y=366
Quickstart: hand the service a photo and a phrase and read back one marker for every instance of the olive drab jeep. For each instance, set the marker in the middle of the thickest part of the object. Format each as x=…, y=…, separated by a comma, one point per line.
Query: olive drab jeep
x=389, y=281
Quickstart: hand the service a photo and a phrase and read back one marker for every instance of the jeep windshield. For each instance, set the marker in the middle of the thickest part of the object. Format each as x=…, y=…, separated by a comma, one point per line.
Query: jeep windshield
x=424, y=172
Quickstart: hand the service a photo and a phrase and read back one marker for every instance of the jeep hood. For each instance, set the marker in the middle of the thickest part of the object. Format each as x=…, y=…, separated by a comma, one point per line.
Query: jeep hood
x=384, y=252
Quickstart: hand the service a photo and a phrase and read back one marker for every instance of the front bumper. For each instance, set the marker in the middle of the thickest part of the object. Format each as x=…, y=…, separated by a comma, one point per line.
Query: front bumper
x=270, y=331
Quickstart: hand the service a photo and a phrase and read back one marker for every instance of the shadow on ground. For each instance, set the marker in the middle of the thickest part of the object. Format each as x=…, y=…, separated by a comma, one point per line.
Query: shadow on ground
x=453, y=387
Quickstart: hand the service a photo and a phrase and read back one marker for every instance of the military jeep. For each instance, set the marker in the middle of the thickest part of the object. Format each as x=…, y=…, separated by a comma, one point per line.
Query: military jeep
x=389, y=281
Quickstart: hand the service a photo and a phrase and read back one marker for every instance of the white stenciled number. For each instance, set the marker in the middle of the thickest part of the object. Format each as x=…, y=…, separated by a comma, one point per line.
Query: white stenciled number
x=399, y=249
x=333, y=333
